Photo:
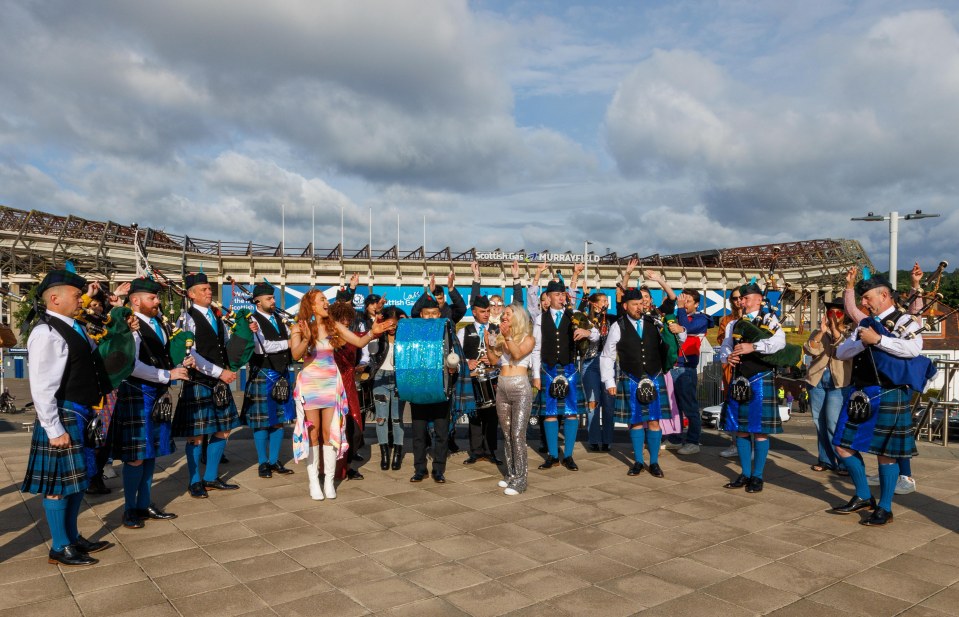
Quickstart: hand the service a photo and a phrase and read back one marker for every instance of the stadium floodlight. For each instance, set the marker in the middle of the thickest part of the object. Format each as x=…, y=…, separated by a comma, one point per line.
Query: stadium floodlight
x=893, y=218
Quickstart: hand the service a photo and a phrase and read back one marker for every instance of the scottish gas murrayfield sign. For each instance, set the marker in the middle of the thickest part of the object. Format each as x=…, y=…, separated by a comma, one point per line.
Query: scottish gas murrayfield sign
x=570, y=258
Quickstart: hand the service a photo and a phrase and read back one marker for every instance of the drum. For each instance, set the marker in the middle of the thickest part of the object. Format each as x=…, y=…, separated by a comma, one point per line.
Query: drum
x=484, y=388
x=419, y=356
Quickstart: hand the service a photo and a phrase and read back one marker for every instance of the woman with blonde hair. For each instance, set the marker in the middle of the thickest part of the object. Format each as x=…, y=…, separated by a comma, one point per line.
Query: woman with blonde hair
x=319, y=387
x=512, y=348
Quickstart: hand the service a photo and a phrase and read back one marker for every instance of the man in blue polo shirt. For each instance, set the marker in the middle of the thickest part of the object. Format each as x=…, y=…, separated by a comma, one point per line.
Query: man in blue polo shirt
x=685, y=377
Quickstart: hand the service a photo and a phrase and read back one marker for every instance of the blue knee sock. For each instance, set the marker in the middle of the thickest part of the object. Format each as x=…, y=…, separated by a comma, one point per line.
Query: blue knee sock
x=745, y=447
x=146, y=482
x=888, y=476
x=132, y=475
x=56, y=511
x=73, y=512
x=857, y=472
x=276, y=442
x=761, y=451
x=638, y=437
x=552, y=438
x=193, y=452
x=570, y=427
x=905, y=466
x=261, y=438
x=654, y=438
x=214, y=452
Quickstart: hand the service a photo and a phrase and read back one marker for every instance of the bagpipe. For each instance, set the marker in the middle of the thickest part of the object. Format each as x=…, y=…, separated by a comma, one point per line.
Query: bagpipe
x=789, y=358
x=670, y=341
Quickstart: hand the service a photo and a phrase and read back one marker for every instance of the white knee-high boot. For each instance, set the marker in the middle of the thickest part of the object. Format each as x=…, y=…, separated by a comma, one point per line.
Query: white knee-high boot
x=313, y=473
x=329, y=470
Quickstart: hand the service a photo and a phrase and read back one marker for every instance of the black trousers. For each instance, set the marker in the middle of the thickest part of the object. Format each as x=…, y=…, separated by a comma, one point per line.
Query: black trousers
x=483, y=426
x=440, y=444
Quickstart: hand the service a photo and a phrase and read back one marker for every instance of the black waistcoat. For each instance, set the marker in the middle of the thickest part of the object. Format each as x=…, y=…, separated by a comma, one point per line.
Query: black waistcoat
x=208, y=343
x=557, y=343
x=84, y=378
x=640, y=356
x=753, y=363
x=153, y=351
x=279, y=361
x=471, y=341
x=864, y=367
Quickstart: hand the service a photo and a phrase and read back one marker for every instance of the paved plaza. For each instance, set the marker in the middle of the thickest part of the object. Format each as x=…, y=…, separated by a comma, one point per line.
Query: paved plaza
x=588, y=542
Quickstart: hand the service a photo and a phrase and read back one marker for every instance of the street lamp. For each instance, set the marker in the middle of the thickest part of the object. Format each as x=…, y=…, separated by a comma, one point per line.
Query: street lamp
x=893, y=218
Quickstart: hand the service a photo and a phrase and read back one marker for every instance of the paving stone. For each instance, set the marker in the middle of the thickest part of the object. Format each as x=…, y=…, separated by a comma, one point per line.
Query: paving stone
x=83, y=580
x=488, y=599
x=499, y=562
x=261, y=566
x=385, y=593
x=460, y=546
x=287, y=587
x=446, y=578
x=544, y=582
x=33, y=590
x=644, y=589
x=192, y=582
x=235, y=600
x=409, y=558
x=585, y=600
x=851, y=599
x=751, y=595
x=129, y=597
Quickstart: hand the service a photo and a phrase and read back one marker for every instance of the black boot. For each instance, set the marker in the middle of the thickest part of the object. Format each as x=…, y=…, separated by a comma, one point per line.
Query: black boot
x=384, y=457
x=397, y=457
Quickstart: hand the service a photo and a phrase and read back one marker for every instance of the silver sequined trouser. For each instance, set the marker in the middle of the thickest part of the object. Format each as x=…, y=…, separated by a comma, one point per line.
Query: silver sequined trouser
x=514, y=400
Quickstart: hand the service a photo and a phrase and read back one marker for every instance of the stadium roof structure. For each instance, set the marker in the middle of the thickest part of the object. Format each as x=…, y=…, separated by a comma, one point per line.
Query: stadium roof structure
x=33, y=242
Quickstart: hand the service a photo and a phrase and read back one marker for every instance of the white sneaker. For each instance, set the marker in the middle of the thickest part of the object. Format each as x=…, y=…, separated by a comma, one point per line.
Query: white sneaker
x=109, y=472
x=730, y=452
x=503, y=484
x=511, y=492
x=671, y=446
x=905, y=485
x=689, y=448
x=873, y=480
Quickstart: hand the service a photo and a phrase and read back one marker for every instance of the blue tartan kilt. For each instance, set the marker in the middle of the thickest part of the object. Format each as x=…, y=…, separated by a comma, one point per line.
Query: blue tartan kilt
x=571, y=405
x=758, y=415
x=259, y=408
x=196, y=414
x=629, y=411
x=887, y=433
x=136, y=437
x=60, y=471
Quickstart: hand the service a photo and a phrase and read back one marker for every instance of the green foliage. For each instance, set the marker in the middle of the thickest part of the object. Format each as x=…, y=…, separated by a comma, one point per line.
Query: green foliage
x=20, y=314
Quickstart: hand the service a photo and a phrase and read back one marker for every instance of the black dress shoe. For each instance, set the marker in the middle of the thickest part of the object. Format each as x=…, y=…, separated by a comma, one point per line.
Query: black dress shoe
x=88, y=546
x=280, y=469
x=755, y=485
x=739, y=482
x=636, y=469
x=353, y=474
x=878, y=518
x=594, y=447
x=471, y=460
x=132, y=520
x=220, y=485
x=97, y=487
x=570, y=464
x=855, y=505
x=655, y=470
x=605, y=447
x=265, y=471
x=439, y=478
x=417, y=477
x=156, y=514
x=549, y=463
x=197, y=491
x=492, y=458
x=71, y=556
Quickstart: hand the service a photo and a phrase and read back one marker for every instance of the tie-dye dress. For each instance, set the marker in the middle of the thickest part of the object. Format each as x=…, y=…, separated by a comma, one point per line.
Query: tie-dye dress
x=319, y=385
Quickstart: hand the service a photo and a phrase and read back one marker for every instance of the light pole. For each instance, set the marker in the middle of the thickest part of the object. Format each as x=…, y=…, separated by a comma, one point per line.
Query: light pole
x=893, y=218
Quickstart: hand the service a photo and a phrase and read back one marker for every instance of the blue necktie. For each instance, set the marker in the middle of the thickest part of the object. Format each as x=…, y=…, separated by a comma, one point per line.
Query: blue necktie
x=558, y=318
x=482, y=328
x=157, y=329
x=273, y=321
x=209, y=315
x=79, y=330
x=639, y=326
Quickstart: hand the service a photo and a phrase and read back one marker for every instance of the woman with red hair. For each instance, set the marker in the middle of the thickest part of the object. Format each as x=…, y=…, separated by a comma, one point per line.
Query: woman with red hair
x=319, y=387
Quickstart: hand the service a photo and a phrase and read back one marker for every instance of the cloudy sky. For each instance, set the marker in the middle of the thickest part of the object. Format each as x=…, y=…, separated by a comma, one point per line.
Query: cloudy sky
x=641, y=126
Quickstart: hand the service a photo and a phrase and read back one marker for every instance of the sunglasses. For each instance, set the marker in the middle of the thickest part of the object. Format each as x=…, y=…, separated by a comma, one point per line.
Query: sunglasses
x=835, y=313
x=496, y=304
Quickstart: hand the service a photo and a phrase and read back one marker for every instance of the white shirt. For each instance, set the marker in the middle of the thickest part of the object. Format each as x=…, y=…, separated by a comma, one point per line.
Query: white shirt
x=607, y=359
x=538, y=337
x=765, y=346
x=145, y=371
x=263, y=346
x=202, y=364
x=47, y=355
x=461, y=335
x=899, y=347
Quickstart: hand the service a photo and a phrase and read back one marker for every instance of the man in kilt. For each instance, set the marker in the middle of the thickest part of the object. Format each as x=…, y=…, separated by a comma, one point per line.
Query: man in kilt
x=138, y=437
x=206, y=405
x=758, y=417
x=267, y=404
x=67, y=379
x=483, y=423
x=555, y=360
x=643, y=362
x=887, y=368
